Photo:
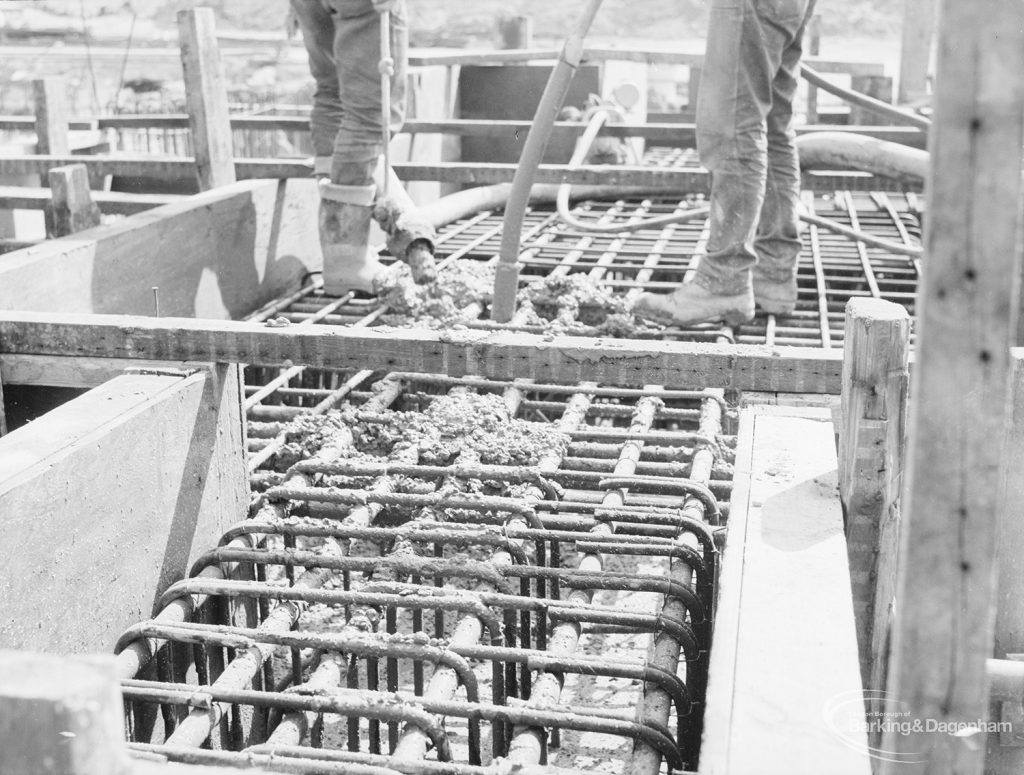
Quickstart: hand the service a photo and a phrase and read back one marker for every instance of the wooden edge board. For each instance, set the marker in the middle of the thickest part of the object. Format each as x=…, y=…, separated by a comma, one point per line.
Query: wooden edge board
x=657, y=131
x=498, y=355
x=77, y=372
x=785, y=692
x=113, y=202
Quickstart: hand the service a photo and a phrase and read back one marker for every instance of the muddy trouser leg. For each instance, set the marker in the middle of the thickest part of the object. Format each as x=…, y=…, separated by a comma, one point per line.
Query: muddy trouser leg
x=778, y=236
x=317, y=25
x=745, y=47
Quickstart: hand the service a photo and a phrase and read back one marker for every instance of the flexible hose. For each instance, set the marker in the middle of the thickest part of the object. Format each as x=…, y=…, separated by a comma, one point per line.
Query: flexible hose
x=824, y=141
x=864, y=101
x=506, y=280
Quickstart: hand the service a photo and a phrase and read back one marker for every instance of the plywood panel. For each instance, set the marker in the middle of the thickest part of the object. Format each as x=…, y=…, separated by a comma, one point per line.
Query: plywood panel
x=220, y=254
x=106, y=500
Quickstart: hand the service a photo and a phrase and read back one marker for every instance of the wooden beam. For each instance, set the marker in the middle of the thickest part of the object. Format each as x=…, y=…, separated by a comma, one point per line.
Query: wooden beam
x=1005, y=750
x=126, y=485
x=60, y=715
x=111, y=202
x=692, y=180
x=72, y=372
x=3, y=409
x=683, y=133
x=967, y=311
x=874, y=413
x=813, y=49
x=591, y=54
x=915, y=49
x=206, y=97
x=784, y=691
x=71, y=208
x=51, y=116
x=500, y=355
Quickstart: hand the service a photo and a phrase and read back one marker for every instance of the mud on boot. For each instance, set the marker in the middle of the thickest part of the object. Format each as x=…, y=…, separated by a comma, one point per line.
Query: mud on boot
x=350, y=264
x=692, y=303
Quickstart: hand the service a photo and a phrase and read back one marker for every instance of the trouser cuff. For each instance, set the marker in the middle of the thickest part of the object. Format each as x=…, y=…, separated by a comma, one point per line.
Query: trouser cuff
x=321, y=165
x=352, y=195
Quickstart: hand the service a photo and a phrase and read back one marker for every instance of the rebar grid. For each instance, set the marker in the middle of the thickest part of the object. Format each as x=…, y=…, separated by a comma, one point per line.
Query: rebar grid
x=832, y=268
x=448, y=623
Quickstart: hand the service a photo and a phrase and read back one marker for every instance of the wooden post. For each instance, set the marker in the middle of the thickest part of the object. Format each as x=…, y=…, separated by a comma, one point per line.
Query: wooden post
x=692, y=89
x=60, y=716
x=71, y=208
x=874, y=414
x=967, y=310
x=877, y=86
x=516, y=32
x=51, y=116
x=1006, y=751
x=813, y=48
x=915, y=53
x=3, y=410
x=206, y=98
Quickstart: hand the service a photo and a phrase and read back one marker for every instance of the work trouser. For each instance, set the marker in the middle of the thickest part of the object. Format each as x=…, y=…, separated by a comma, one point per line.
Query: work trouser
x=342, y=38
x=745, y=139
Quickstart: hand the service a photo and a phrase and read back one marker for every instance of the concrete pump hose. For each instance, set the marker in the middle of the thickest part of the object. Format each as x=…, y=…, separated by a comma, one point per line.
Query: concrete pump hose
x=846, y=150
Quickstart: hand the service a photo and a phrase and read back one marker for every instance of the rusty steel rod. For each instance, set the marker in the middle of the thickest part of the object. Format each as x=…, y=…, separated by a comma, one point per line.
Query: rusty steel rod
x=665, y=650
x=529, y=744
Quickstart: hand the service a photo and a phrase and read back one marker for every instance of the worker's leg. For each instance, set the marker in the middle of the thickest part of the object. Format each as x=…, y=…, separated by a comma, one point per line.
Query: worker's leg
x=346, y=207
x=357, y=49
x=746, y=41
x=317, y=25
x=778, y=237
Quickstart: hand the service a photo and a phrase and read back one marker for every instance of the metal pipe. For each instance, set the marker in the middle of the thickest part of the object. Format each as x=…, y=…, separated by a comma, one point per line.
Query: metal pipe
x=506, y=281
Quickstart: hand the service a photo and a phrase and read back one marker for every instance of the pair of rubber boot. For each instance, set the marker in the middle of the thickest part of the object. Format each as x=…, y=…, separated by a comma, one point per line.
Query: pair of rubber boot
x=346, y=214
x=693, y=303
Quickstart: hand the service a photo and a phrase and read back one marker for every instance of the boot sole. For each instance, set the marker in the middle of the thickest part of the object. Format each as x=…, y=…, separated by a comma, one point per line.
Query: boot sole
x=666, y=318
x=776, y=307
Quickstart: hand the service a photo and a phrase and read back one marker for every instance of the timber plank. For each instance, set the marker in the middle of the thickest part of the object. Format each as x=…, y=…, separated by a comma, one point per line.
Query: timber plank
x=693, y=180
x=63, y=371
x=218, y=254
x=109, y=497
x=683, y=133
x=110, y=202
x=499, y=355
x=784, y=700
x=1004, y=759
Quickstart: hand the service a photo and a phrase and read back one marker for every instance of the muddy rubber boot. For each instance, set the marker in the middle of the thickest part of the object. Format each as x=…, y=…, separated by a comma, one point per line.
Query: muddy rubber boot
x=350, y=264
x=692, y=303
x=773, y=296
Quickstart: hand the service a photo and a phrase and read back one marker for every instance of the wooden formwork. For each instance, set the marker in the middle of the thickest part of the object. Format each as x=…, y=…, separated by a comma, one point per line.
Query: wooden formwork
x=945, y=585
